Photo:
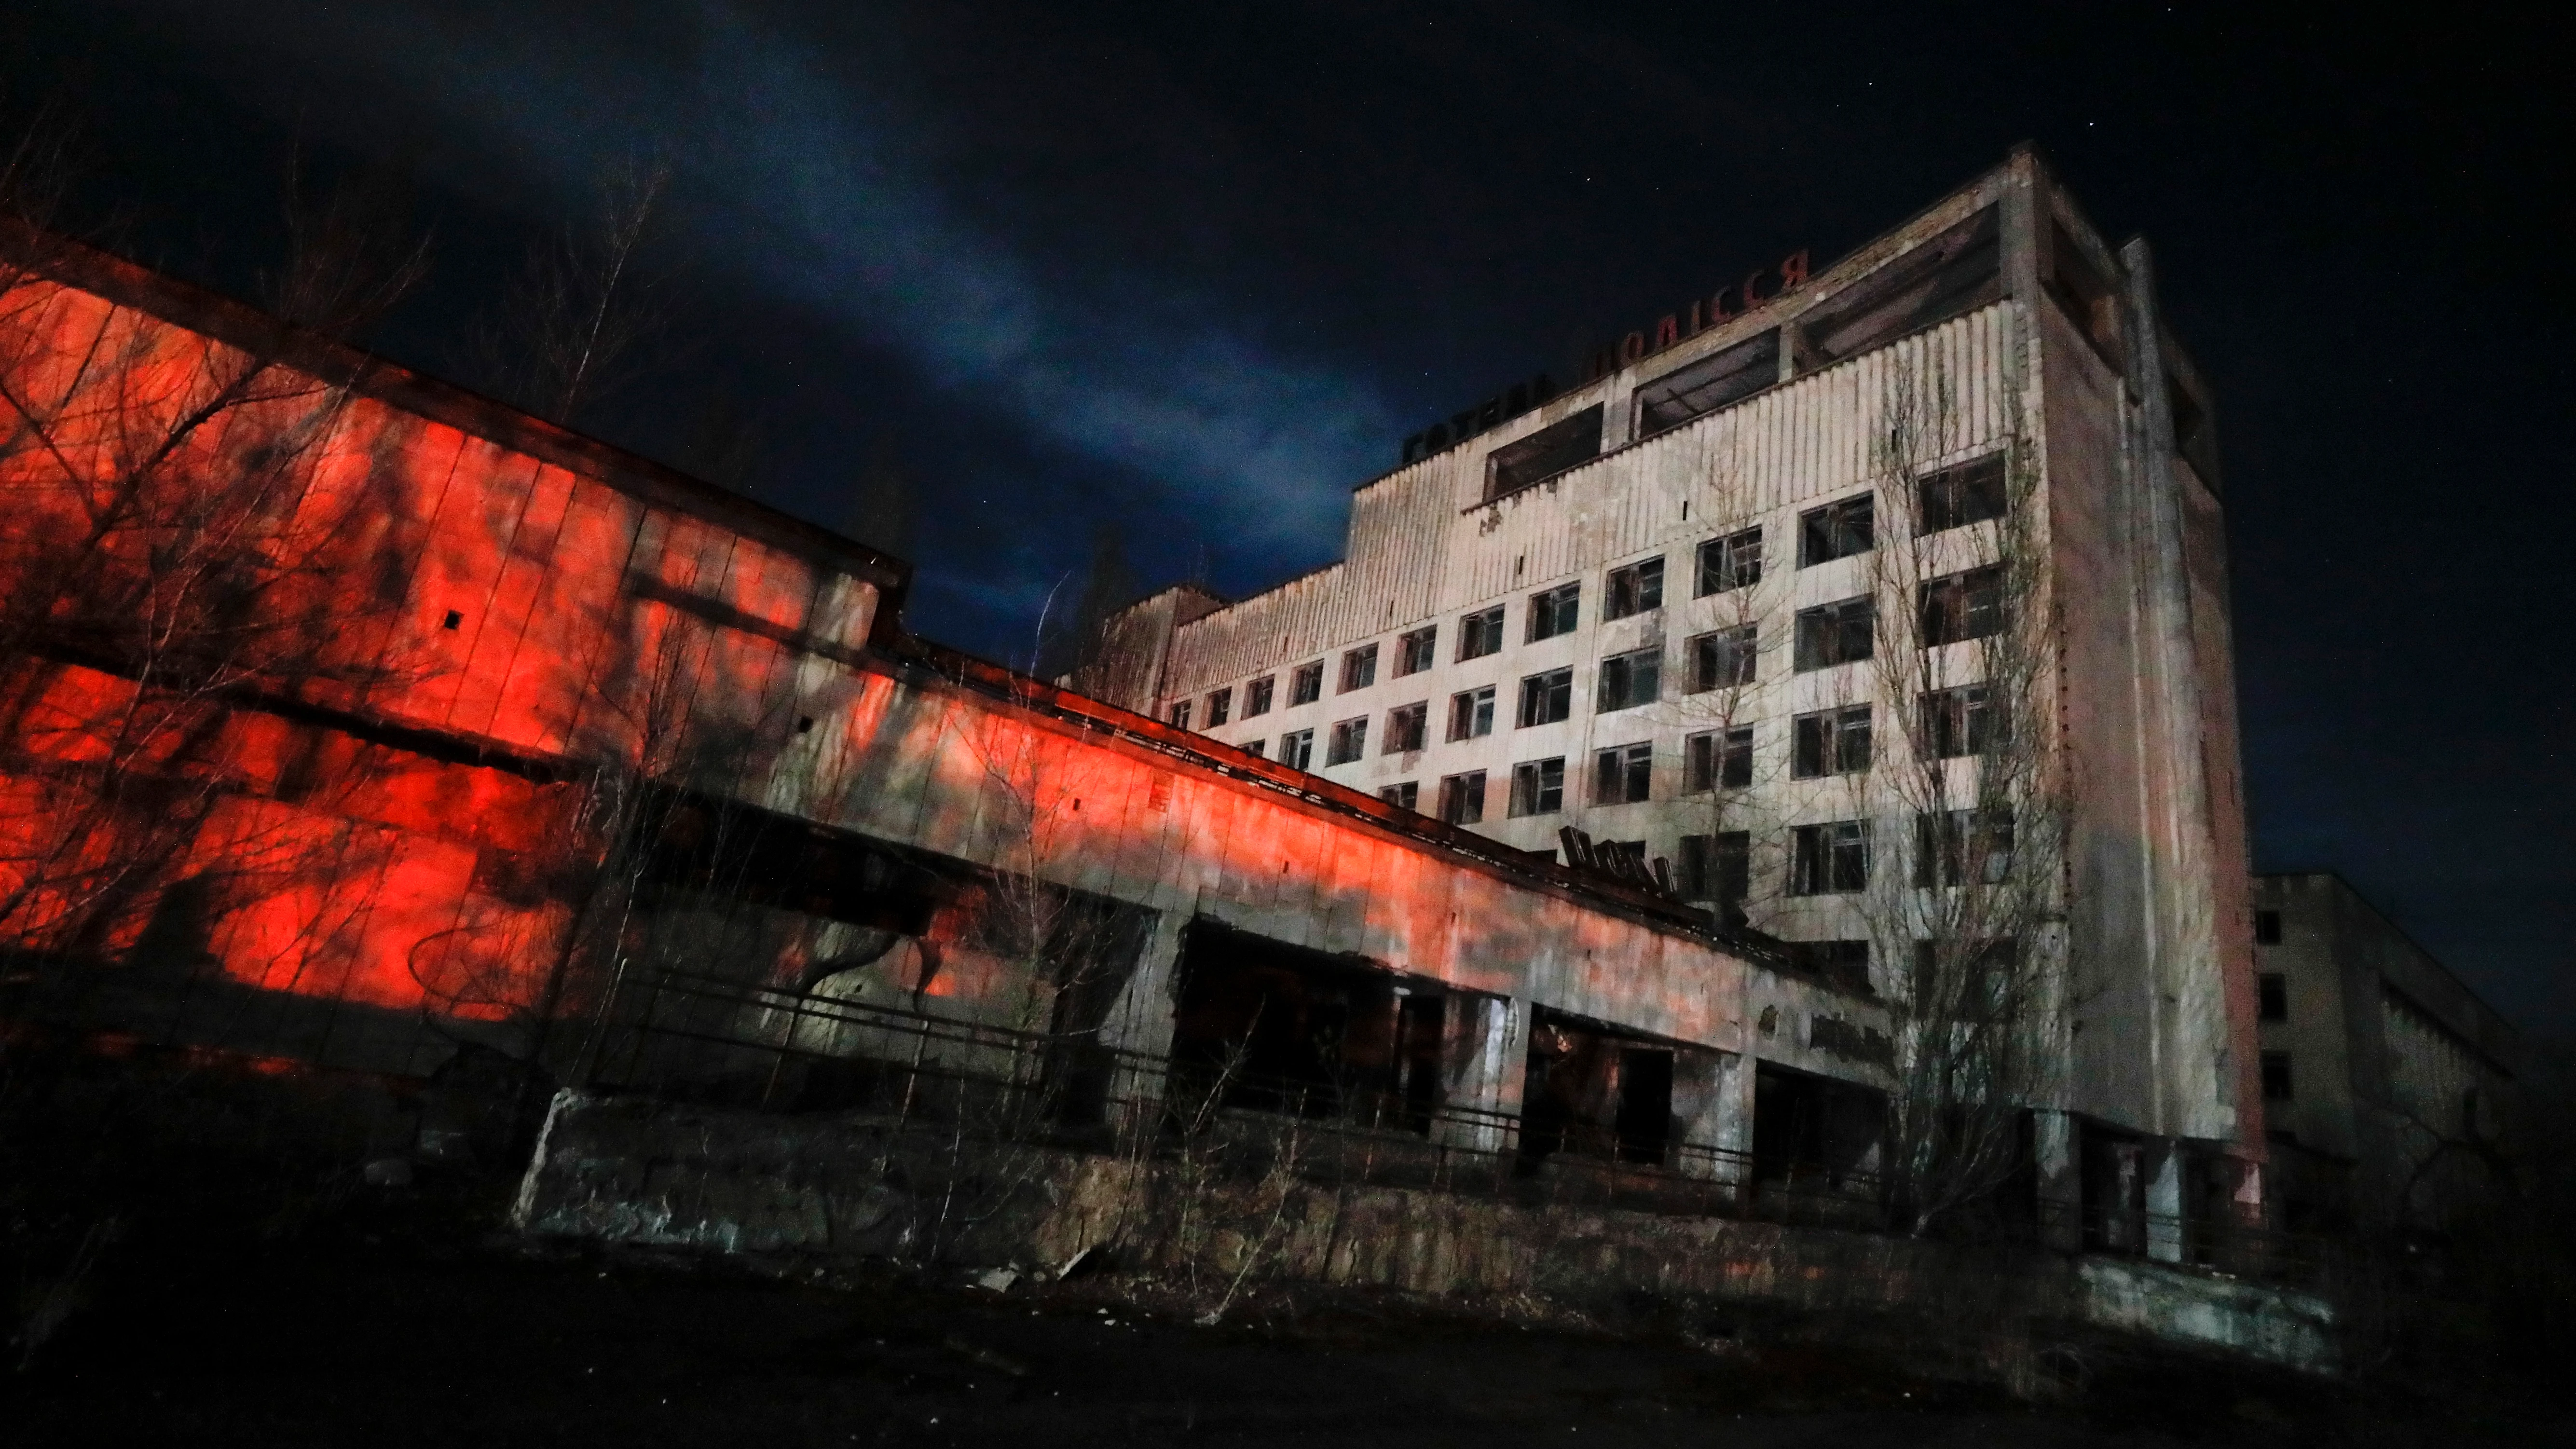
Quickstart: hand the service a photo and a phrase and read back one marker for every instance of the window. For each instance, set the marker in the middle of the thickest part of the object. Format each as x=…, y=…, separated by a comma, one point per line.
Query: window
x=1836, y=633
x=1634, y=589
x=1629, y=680
x=1829, y=742
x=1462, y=798
x=1830, y=859
x=1180, y=715
x=1963, y=606
x=1957, y=846
x=1306, y=683
x=1220, y=707
x=1538, y=787
x=1723, y=377
x=1415, y=652
x=1297, y=749
x=1251, y=747
x=1480, y=633
x=1837, y=530
x=1406, y=725
x=2267, y=928
x=1732, y=562
x=1959, y=722
x=2089, y=301
x=1718, y=759
x=1988, y=974
x=1723, y=659
x=2272, y=991
x=1359, y=668
x=1349, y=741
x=1624, y=775
x=1957, y=497
x=1546, y=698
x=1717, y=868
x=1556, y=611
x=2276, y=1077
x=1844, y=963
x=1957, y=271
x=1471, y=713
x=1256, y=696
x=1544, y=454
x=1404, y=797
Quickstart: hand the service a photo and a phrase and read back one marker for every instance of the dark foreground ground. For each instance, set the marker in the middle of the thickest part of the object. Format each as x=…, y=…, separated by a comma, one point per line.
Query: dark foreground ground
x=369, y=1334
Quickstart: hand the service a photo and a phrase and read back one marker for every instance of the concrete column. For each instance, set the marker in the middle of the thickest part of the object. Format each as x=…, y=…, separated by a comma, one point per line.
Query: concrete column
x=2061, y=1183
x=1706, y=1113
x=1492, y=1068
x=2165, y=1226
x=1140, y=1022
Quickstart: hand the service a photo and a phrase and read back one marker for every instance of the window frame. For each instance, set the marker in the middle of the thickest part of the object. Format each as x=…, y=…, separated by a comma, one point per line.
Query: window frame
x=1723, y=563
x=1462, y=798
x=1970, y=602
x=1534, y=792
x=1407, y=722
x=1416, y=650
x=1220, y=706
x=1632, y=766
x=1632, y=589
x=1842, y=617
x=1737, y=644
x=1710, y=759
x=1822, y=742
x=1961, y=495
x=1257, y=696
x=1558, y=611
x=1306, y=683
x=1627, y=671
x=1297, y=749
x=1556, y=686
x=1348, y=743
x=1829, y=858
x=1471, y=713
x=1359, y=668
x=1483, y=626
x=1844, y=528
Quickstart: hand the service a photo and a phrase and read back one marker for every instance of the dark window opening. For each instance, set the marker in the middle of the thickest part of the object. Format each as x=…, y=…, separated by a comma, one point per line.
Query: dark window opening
x=1538, y=787
x=1718, y=759
x=2272, y=991
x=1844, y=963
x=1297, y=749
x=1349, y=741
x=1947, y=276
x=1590, y=1091
x=1807, y=1127
x=1462, y=798
x=2267, y=928
x=1480, y=633
x=1269, y=1027
x=1220, y=706
x=1180, y=715
x=1830, y=742
x=455, y=619
x=1251, y=747
x=1722, y=378
x=1732, y=562
x=1634, y=589
x=1624, y=775
x=1718, y=868
x=1555, y=611
x=1836, y=633
x=1471, y=713
x=1405, y=728
x=1837, y=530
x=1960, y=722
x=1963, y=606
x=1256, y=697
x=1544, y=454
x=1416, y=652
x=1723, y=659
x=1546, y=698
x=2276, y=1077
x=1957, y=847
x=1306, y=683
x=1829, y=859
x=1957, y=497
x=1359, y=668
x=1629, y=680
x=1404, y=796
x=804, y=724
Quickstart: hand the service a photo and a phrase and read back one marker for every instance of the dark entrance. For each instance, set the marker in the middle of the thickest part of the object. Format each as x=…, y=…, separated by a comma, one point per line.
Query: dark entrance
x=1278, y=1028
x=1807, y=1127
x=1594, y=1092
x=1645, y=1103
x=2115, y=1190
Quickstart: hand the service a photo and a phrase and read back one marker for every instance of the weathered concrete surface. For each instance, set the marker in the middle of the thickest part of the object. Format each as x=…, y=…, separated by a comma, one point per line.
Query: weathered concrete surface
x=640, y=1172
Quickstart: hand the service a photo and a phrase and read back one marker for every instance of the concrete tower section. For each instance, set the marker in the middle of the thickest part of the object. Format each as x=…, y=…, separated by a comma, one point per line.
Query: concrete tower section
x=1644, y=570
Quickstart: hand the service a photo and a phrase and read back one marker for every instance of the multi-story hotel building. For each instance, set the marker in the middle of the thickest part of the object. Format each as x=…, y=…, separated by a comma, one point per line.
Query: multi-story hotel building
x=1643, y=607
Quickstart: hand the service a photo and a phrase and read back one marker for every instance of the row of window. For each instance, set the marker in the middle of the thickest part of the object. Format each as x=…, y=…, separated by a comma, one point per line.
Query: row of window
x=1952, y=609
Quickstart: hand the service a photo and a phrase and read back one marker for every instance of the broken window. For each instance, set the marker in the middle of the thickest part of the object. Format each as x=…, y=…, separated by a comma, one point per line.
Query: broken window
x=1462, y=798
x=2272, y=990
x=1297, y=749
x=1403, y=797
x=2267, y=928
x=1546, y=698
x=1634, y=589
x=1963, y=606
x=1836, y=633
x=2087, y=298
x=1220, y=706
x=1359, y=668
x=1837, y=530
x=1544, y=454
x=1944, y=277
x=1538, y=787
x=1406, y=725
x=1629, y=680
x=1180, y=715
x=1732, y=562
x=1480, y=633
x=1718, y=868
x=1829, y=859
x=1829, y=742
x=2276, y=1077
x=1957, y=497
x=1954, y=847
x=1251, y=747
x=1349, y=741
x=1957, y=722
x=1256, y=696
x=1723, y=377
x=1623, y=776
x=1723, y=659
x=1306, y=683
x=1844, y=963
x=1414, y=652
x=1471, y=713
x=1556, y=611
x=1718, y=759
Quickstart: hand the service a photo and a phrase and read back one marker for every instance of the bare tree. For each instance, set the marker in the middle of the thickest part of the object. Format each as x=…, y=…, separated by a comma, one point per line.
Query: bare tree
x=573, y=324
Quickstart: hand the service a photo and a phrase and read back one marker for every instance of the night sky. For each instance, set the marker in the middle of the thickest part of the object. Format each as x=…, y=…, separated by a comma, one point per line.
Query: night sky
x=1197, y=269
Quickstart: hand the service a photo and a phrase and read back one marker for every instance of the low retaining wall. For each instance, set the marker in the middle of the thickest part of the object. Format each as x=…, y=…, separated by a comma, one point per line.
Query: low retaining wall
x=636, y=1171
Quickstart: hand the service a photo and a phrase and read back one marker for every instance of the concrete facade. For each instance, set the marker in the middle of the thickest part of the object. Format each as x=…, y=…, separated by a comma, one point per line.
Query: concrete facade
x=2043, y=336
x=2393, y=1091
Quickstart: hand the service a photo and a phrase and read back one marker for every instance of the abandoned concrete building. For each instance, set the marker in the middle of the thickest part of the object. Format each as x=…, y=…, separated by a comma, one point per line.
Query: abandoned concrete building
x=1696, y=613
x=2392, y=1092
